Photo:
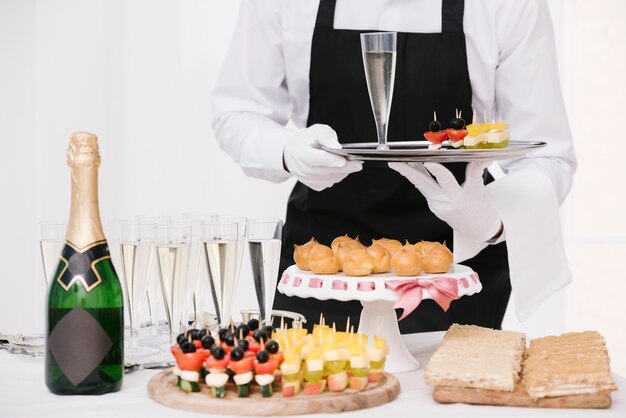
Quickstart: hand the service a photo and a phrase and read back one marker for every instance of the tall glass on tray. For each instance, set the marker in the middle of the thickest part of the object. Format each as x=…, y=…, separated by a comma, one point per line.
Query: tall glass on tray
x=173, y=244
x=264, y=239
x=221, y=242
x=379, y=61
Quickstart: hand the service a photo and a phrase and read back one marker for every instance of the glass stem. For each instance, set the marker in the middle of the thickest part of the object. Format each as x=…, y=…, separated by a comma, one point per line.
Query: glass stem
x=381, y=128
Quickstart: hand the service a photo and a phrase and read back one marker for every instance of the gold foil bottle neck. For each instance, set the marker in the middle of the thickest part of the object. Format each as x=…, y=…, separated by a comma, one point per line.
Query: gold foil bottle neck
x=83, y=158
x=83, y=150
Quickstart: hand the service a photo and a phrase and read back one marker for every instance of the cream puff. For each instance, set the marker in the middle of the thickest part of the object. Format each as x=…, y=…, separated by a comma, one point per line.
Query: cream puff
x=358, y=262
x=322, y=260
x=405, y=262
x=347, y=242
x=389, y=244
x=382, y=258
x=437, y=258
x=301, y=254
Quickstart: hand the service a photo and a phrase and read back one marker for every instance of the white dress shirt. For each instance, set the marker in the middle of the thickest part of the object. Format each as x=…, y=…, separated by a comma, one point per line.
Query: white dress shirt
x=511, y=56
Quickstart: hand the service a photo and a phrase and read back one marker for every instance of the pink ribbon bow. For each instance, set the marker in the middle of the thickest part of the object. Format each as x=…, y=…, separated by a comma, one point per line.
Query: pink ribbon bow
x=443, y=290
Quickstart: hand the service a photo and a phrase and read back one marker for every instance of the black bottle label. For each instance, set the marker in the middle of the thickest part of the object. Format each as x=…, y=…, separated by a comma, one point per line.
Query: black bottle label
x=78, y=343
x=79, y=265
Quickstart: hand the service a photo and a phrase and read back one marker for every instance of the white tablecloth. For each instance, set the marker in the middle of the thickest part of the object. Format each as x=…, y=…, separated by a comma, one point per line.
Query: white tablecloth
x=24, y=394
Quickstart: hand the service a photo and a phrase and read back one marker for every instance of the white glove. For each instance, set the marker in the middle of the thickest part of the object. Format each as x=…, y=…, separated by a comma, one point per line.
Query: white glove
x=467, y=209
x=306, y=160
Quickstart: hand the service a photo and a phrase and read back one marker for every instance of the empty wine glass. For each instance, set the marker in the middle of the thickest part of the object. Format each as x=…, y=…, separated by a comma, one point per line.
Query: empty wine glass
x=136, y=256
x=264, y=239
x=220, y=251
x=172, y=247
x=379, y=60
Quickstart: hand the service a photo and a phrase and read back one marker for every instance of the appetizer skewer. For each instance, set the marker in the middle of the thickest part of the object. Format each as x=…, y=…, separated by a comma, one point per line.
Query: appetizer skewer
x=293, y=358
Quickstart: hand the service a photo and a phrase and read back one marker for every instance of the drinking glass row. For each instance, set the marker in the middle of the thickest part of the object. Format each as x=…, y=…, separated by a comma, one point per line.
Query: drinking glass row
x=179, y=265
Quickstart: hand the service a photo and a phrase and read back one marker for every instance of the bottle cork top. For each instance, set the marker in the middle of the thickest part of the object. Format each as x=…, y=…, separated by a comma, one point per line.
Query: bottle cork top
x=83, y=150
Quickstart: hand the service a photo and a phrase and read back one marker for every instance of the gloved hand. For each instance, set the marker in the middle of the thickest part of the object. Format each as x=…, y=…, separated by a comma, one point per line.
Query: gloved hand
x=305, y=159
x=467, y=209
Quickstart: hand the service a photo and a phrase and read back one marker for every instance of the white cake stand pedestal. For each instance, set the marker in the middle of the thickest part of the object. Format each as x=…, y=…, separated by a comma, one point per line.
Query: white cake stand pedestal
x=378, y=316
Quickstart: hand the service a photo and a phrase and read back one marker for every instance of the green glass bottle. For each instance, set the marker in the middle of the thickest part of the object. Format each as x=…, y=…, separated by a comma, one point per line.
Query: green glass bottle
x=85, y=334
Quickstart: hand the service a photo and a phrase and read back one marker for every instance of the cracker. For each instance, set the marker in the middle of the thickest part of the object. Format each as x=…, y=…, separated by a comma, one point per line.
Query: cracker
x=570, y=364
x=476, y=357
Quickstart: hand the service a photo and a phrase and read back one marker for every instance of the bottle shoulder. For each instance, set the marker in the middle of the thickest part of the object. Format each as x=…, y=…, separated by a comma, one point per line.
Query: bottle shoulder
x=71, y=288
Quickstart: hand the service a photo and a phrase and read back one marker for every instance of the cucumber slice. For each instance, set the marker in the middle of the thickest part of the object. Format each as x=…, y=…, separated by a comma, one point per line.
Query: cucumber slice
x=243, y=390
x=189, y=387
x=291, y=377
x=178, y=381
x=378, y=364
x=501, y=144
x=334, y=366
x=218, y=391
x=266, y=391
x=313, y=376
x=360, y=372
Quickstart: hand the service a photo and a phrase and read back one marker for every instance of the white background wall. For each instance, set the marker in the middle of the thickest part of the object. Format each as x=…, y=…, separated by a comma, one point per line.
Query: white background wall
x=139, y=74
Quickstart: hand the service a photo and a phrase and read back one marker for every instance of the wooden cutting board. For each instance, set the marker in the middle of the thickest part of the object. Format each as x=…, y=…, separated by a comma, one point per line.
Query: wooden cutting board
x=519, y=398
x=162, y=388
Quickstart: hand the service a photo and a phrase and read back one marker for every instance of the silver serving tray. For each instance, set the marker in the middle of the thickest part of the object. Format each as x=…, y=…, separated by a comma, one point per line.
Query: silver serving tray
x=417, y=151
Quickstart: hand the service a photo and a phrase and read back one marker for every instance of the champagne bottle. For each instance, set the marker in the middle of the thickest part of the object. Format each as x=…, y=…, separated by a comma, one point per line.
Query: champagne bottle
x=85, y=333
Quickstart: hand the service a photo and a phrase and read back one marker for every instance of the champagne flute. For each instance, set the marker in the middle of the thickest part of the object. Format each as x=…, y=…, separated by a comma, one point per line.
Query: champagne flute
x=242, y=228
x=201, y=298
x=220, y=252
x=379, y=60
x=51, y=240
x=156, y=304
x=264, y=238
x=112, y=232
x=172, y=248
x=136, y=252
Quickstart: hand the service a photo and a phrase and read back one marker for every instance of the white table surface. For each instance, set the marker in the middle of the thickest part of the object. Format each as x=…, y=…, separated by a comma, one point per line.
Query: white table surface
x=23, y=394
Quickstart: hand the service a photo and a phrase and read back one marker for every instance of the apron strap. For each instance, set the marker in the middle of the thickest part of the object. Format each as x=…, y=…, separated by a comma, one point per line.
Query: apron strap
x=452, y=15
x=326, y=13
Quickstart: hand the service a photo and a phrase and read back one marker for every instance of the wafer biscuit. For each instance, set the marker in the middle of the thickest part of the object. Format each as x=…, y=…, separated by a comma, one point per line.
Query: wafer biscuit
x=476, y=357
x=570, y=364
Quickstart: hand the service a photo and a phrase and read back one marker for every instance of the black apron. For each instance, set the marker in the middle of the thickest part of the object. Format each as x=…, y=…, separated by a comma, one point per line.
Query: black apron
x=431, y=75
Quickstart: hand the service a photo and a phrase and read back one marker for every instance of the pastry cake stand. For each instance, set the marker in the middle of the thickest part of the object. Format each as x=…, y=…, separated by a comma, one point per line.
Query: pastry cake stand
x=378, y=316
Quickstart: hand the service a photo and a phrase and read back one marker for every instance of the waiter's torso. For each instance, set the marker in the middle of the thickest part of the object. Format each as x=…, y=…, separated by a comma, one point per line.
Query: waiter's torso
x=431, y=75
